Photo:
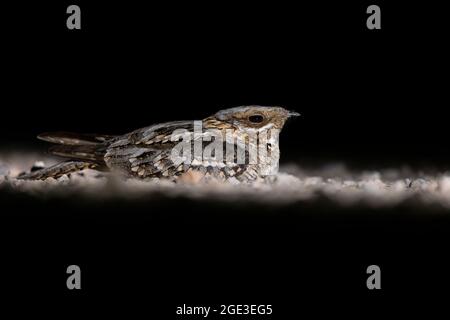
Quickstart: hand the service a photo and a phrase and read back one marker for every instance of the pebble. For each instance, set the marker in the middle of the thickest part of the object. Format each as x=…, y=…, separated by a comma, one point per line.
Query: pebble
x=38, y=165
x=4, y=170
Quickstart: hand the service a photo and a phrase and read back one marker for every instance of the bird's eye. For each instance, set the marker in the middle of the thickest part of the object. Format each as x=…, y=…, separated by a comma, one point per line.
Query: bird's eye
x=256, y=118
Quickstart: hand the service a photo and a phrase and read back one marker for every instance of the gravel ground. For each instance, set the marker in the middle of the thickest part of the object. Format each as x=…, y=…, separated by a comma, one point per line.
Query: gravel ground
x=335, y=183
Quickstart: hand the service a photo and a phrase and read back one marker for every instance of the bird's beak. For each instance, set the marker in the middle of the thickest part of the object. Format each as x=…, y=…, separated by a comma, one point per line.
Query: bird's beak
x=293, y=114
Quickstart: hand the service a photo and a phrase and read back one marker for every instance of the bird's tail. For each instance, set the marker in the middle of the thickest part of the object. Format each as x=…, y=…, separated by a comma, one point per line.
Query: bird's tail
x=91, y=147
x=82, y=151
x=74, y=139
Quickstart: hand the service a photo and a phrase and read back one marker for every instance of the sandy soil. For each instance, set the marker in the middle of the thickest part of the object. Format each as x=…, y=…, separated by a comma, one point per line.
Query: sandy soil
x=335, y=183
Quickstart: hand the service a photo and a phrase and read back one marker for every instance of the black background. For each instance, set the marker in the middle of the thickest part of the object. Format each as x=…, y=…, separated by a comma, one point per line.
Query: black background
x=368, y=98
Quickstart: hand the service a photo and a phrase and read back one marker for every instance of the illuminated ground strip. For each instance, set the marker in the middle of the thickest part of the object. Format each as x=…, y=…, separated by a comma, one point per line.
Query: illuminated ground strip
x=335, y=183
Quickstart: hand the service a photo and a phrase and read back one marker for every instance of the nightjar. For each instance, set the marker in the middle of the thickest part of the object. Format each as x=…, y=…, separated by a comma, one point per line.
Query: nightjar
x=234, y=145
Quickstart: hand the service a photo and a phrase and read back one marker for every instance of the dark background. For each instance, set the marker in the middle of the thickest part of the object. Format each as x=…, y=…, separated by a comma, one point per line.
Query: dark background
x=368, y=98
x=376, y=97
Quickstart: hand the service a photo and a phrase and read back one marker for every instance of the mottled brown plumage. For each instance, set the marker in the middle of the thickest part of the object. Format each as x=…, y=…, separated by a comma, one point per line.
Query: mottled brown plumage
x=148, y=152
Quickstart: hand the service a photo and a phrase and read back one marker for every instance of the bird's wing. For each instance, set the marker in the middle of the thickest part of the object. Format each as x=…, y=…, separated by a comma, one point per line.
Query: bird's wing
x=146, y=152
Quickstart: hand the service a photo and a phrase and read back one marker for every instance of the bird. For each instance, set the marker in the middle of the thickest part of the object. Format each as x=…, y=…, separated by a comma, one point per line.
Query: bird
x=238, y=145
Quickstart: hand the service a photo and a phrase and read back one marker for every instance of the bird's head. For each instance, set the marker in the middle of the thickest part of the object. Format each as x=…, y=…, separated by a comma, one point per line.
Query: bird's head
x=254, y=117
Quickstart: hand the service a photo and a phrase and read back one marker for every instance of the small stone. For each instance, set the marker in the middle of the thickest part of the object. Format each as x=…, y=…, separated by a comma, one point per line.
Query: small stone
x=191, y=177
x=4, y=170
x=64, y=178
x=418, y=184
x=38, y=165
